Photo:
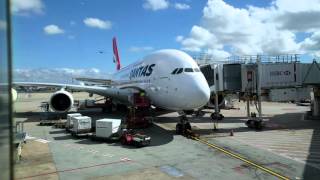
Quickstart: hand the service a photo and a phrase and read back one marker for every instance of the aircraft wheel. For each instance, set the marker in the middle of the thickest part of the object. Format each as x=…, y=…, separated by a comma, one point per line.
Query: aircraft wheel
x=179, y=129
x=123, y=141
x=249, y=123
x=258, y=125
x=187, y=126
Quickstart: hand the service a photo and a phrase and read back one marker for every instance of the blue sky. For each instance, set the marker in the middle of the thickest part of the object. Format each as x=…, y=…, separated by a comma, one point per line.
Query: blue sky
x=131, y=24
x=141, y=28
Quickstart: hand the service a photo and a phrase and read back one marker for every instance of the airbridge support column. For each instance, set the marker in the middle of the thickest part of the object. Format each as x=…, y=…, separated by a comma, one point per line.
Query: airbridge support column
x=259, y=73
x=316, y=102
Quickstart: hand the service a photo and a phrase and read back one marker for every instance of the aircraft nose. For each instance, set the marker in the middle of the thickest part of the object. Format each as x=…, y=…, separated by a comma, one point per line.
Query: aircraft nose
x=203, y=95
x=199, y=95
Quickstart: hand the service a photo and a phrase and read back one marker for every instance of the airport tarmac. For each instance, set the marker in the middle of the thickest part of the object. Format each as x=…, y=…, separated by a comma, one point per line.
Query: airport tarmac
x=289, y=145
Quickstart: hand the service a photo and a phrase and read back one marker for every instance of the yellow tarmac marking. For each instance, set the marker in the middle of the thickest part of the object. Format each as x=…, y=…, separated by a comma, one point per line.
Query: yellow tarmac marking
x=237, y=156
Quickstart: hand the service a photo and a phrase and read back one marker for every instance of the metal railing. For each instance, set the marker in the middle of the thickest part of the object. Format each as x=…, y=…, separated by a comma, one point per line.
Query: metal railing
x=205, y=58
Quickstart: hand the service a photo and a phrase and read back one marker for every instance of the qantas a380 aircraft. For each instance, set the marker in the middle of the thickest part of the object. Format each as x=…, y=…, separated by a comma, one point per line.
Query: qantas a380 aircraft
x=170, y=78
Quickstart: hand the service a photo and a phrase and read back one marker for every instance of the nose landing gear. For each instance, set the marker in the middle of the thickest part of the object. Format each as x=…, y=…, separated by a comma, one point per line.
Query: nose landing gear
x=183, y=126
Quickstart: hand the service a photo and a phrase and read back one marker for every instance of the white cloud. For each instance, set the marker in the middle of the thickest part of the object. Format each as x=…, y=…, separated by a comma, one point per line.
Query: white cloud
x=312, y=44
x=181, y=6
x=155, y=5
x=97, y=23
x=300, y=21
x=58, y=75
x=3, y=25
x=53, y=29
x=139, y=49
x=25, y=7
x=255, y=30
x=179, y=38
x=297, y=6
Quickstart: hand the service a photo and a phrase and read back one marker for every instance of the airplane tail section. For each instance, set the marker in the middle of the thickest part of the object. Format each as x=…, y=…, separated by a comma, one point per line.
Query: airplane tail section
x=116, y=58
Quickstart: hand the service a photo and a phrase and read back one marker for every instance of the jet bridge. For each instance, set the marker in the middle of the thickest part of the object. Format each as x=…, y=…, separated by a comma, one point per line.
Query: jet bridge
x=312, y=80
x=276, y=78
x=281, y=76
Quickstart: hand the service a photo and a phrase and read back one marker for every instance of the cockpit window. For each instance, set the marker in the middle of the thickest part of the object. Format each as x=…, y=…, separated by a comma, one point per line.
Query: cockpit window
x=196, y=70
x=179, y=71
x=175, y=71
x=188, y=70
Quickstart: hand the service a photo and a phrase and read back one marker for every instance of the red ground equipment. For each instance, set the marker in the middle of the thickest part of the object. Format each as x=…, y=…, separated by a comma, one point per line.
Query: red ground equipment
x=139, y=114
x=129, y=137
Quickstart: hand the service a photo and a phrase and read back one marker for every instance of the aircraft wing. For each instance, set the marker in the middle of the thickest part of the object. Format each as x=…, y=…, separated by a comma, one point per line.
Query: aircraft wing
x=94, y=80
x=119, y=94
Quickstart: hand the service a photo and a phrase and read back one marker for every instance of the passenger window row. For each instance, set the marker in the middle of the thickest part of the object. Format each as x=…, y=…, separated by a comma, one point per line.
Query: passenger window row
x=180, y=70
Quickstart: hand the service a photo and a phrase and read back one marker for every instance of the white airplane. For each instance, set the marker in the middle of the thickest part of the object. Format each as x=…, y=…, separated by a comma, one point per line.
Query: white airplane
x=170, y=79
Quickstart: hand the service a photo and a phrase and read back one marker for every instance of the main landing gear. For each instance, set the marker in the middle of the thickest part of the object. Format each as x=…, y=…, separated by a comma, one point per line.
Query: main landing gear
x=254, y=122
x=183, y=126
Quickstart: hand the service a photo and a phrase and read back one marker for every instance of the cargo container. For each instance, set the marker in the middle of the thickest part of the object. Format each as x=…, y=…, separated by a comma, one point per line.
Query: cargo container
x=69, y=123
x=107, y=127
x=81, y=124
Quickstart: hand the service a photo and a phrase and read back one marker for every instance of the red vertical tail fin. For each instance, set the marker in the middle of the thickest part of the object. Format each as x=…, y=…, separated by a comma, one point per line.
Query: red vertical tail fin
x=116, y=57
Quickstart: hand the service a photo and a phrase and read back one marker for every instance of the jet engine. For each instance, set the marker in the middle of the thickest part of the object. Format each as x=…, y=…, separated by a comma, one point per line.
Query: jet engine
x=61, y=101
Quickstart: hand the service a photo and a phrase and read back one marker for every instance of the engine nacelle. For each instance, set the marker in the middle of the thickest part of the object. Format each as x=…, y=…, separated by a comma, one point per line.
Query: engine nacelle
x=61, y=101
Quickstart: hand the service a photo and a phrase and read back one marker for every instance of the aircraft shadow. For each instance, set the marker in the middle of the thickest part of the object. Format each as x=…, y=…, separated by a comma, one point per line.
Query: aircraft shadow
x=159, y=136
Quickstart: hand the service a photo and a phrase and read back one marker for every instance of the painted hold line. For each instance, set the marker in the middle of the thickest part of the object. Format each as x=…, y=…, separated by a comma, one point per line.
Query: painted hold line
x=289, y=142
x=283, y=155
x=298, y=155
x=302, y=155
x=296, y=143
x=42, y=140
x=288, y=137
x=276, y=139
x=303, y=148
x=307, y=160
x=300, y=158
x=76, y=169
x=286, y=150
x=290, y=132
x=92, y=151
x=30, y=137
x=315, y=161
x=107, y=155
x=285, y=145
x=284, y=132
